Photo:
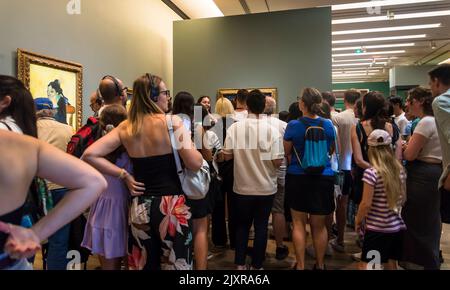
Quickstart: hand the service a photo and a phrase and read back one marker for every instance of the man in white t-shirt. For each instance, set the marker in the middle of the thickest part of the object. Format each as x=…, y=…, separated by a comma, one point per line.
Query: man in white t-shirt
x=331, y=100
x=399, y=115
x=257, y=149
x=241, y=112
x=344, y=122
x=278, y=217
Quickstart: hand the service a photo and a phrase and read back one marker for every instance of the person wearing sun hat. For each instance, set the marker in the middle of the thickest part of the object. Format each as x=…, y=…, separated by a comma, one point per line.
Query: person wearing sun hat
x=58, y=135
x=383, y=196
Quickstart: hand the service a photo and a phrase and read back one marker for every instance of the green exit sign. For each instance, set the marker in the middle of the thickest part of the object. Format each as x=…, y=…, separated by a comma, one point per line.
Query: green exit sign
x=359, y=50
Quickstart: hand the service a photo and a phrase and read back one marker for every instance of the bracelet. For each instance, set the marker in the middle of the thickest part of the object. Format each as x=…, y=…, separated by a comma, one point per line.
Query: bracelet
x=123, y=174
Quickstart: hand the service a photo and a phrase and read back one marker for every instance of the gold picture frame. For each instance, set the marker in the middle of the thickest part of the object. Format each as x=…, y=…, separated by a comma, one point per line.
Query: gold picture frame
x=37, y=70
x=231, y=93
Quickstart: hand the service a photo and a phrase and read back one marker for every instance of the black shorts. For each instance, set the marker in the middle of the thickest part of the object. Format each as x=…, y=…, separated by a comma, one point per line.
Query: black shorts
x=199, y=208
x=445, y=206
x=389, y=245
x=312, y=194
x=348, y=182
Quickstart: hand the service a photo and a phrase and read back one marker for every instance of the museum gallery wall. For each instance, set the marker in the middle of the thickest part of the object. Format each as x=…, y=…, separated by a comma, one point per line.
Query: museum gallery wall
x=117, y=38
x=286, y=51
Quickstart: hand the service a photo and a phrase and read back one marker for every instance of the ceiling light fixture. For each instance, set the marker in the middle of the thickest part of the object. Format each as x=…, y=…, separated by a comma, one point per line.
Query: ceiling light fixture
x=385, y=29
x=365, y=59
x=375, y=46
x=391, y=16
x=445, y=61
x=362, y=40
x=377, y=3
x=370, y=53
x=358, y=64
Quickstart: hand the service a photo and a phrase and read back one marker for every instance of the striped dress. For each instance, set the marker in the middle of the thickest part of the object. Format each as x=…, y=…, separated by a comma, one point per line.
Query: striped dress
x=380, y=218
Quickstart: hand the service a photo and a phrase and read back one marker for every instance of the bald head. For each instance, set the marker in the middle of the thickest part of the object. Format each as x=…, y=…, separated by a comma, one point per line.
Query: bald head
x=271, y=106
x=110, y=92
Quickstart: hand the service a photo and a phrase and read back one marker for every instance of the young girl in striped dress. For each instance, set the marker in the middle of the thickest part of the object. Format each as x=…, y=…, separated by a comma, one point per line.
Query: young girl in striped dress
x=383, y=195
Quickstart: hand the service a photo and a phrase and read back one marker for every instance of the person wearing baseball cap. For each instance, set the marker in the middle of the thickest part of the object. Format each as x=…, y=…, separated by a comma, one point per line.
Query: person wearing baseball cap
x=383, y=195
x=58, y=135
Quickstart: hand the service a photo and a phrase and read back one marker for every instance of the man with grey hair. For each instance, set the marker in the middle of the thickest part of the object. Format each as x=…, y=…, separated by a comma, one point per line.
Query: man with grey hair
x=278, y=217
x=58, y=135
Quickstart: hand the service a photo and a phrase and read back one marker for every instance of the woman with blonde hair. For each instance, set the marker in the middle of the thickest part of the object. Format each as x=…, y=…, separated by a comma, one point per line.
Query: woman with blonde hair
x=161, y=236
x=383, y=195
x=224, y=107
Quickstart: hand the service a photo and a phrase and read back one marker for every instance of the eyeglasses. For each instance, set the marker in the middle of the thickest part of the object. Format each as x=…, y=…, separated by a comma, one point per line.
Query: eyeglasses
x=167, y=93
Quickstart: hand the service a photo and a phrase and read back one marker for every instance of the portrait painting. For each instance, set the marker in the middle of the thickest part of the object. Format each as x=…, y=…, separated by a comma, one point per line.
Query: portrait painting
x=58, y=80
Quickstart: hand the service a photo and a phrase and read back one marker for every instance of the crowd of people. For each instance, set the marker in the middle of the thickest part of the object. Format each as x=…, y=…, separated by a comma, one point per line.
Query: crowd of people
x=116, y=183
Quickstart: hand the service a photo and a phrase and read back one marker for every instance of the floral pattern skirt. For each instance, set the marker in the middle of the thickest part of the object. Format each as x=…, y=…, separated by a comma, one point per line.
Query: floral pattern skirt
x=160, y=233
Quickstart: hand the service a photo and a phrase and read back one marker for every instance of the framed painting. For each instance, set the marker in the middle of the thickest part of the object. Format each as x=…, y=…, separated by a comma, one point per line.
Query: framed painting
x=59, y=80
x=231, y=93
x=129, y=97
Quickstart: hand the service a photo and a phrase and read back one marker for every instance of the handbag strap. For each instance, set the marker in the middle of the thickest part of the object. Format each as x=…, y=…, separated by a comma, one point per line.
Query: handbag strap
x=7, y=126
x=174, y=149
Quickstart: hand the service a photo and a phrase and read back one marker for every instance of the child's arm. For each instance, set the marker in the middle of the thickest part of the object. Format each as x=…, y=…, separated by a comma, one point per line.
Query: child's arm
x=364, y=206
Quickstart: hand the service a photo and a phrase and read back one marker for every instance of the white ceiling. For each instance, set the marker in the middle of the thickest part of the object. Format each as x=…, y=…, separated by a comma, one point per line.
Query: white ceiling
x=421, y=53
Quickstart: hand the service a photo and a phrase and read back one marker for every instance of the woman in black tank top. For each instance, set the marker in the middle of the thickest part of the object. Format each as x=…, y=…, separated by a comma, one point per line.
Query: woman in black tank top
x=160, y=219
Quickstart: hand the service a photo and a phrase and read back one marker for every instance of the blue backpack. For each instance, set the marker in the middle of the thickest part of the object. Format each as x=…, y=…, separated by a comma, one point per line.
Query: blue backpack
x=315, y=155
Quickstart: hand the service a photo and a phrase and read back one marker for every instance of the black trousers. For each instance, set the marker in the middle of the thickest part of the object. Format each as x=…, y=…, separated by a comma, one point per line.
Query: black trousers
x=218, y=221
x=252, y=210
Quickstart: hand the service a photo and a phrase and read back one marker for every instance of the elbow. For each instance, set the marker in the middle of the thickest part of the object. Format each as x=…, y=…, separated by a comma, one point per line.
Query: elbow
x=408, y=156
x=360, y=162
x=195, y=163
x=99, y=185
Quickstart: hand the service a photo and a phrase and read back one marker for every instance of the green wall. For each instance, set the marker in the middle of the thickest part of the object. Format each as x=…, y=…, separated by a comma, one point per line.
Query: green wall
x=372, y=86
x=288, y=50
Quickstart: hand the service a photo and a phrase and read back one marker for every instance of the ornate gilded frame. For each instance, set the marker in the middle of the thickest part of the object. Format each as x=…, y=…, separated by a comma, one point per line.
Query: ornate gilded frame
x=26, y=58
x=273, y=92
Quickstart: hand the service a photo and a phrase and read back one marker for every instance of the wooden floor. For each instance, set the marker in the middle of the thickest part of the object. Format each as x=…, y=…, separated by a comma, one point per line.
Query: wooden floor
x=223, y=260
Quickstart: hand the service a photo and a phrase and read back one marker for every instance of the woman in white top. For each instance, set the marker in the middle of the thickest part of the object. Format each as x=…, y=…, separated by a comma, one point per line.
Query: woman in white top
x=422, y=209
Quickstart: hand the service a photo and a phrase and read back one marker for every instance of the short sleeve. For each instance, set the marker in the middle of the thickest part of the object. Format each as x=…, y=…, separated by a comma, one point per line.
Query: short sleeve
x=370, y=177
x=290, y=130
x=330, y=132
x=425, y=127
x=441, y=108
x=277, y=150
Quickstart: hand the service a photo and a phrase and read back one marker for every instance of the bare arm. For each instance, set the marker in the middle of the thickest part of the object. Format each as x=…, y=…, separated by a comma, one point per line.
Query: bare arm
x=357, y=152
x=83, y=182
x=288, y=150
x=277, y=162
x=192, y=159
x=414, y=146
x=364, y=206
x=95, y=156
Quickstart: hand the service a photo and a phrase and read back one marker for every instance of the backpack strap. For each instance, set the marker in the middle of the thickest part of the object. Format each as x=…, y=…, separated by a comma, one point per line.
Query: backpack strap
x=296, y=155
